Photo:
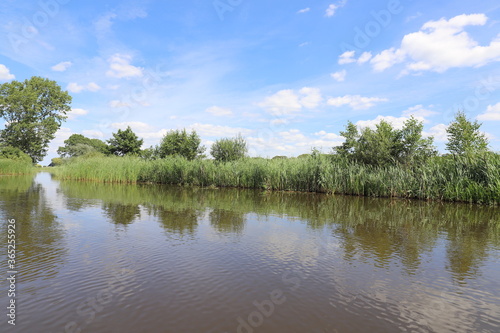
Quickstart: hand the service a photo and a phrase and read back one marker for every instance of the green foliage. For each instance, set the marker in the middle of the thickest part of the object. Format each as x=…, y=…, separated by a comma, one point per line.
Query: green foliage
x=77, y=145
x=464, y=136
x=461, y=178
x=33, y=110
x=180, y=143
x=14, y=154
x=125, y=143
x=229, y=149
x=56, y=161
x=13, y=161
x=386, y=145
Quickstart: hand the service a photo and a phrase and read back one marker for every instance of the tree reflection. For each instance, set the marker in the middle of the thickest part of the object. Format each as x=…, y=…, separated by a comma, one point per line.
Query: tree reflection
x=227, y=221
x=183, y=221
x=123, y=214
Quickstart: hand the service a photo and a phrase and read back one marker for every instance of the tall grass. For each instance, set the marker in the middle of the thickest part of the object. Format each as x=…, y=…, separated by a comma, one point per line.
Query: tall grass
x=469, y=179
x=15, y=167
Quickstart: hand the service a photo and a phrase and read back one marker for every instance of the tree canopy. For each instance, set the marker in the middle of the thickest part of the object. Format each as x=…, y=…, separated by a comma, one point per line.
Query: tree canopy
x=77, y=145
x=385, y=144
x=179, y=142
x=125, y=142
x=33, y=111
x=229, y=149
x=464, y=136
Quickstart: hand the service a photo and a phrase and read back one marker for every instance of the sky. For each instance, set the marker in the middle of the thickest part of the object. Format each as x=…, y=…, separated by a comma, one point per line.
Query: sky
x=286, y=75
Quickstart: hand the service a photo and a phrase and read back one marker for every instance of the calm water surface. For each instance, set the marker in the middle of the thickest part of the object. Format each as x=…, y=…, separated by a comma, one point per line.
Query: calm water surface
x=126, y=258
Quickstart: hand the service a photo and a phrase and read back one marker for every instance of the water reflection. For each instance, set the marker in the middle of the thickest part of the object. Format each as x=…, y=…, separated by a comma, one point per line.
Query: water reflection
x=39, y=234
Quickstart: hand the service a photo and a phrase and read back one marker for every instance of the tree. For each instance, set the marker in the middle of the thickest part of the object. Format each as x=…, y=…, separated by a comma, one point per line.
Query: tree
x=229, y=149
x=33, y=111
x=180, y=143
x=12, y=153
x=386, y=145
x=464, y=136
x=77, y=145
x=125, y=143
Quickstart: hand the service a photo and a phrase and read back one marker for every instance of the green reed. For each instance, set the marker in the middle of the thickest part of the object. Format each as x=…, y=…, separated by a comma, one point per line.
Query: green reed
x=474, y=179
x=15, y=167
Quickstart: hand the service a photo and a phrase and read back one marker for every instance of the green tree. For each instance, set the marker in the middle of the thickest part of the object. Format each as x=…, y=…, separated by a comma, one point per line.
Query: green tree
x=386, y=145
x=464, y=136
x=229, y=149
x=177, y=142
x=125, y=143
x=77, y=145
x=33, y=111
x=14, y=154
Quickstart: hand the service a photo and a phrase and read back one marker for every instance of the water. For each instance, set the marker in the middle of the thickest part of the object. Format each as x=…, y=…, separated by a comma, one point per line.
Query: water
x=146, y=258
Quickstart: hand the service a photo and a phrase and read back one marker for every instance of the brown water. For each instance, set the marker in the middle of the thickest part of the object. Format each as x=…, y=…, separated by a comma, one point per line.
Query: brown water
x=126, y=258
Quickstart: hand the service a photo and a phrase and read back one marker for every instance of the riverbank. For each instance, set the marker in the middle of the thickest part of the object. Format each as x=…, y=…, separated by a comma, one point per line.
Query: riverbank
x=461, y=179
x=15, y=167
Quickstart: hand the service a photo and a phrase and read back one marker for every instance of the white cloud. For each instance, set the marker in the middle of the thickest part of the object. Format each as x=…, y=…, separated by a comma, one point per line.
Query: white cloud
x=418, y=111
x=492, y=113
x=366, y=56
x=93, y=134
x=118, y=104
x=311, y=97
x=347, y=57
x=304, y=44
x=441, y=45
x=332, y=8
x=5, y=74
x=76, y=112
x=328, y=136
x=218, y=111
x=120, y=67
x=305, y=10
x=356, y=102
x=77, y=88
x=136, y=126
x=60, y=136
x=387, y=58
x=339, y=76
x=286, y=102
x=218, y=131
x=92, y=86
x=62, y=66
x=396, y=122
x=438, y=132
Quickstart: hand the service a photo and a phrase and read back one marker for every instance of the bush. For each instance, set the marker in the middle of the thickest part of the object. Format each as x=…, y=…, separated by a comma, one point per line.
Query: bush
x=229, y=149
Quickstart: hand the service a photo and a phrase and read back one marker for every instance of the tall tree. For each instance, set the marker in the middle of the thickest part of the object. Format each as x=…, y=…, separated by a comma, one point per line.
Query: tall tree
x=125, y=143
x=33, y=111
x=465, y=137
x=78, y=144
x=182, y=144
x=229, y=149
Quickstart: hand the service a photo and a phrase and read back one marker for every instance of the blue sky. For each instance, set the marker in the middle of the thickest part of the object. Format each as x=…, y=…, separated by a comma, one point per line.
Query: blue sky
x=287, y=75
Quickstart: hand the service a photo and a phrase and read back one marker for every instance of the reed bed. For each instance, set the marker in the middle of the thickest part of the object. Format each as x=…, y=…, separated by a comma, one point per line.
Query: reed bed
x=474, y=179
x=15, y=167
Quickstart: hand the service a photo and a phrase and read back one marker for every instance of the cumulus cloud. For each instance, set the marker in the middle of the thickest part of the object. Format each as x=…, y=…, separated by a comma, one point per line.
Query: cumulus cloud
x=339, y=76
x=93, y=134
x=5, y=74
x=347, y=57
x=218, y=111
x=118, y=104
x=120, y=67
x=419, y=111
x=438, y=132
x=218, y=130
x=356, y=102
x=286, y=102
x=365, y=57
x=492, y=113
x=397, y=122
x=441, y=45
x=76, y=112
x=136, y=126
x=62, y=66
x=77, y=88
x=332, y=8
x=305, y=10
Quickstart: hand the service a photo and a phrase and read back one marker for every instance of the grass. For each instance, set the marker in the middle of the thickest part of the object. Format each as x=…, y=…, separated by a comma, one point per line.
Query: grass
x=474, y=179
x=15, y=167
